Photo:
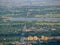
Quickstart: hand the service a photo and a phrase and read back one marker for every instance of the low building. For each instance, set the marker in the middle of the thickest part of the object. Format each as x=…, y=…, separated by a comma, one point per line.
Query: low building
x=1, y=43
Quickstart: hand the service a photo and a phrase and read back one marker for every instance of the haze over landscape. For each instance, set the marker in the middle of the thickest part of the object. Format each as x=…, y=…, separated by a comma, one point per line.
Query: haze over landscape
x=29, y=22
x=28, y=2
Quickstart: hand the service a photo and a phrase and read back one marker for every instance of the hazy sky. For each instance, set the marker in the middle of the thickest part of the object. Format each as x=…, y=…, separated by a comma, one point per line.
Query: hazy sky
x=28, y=2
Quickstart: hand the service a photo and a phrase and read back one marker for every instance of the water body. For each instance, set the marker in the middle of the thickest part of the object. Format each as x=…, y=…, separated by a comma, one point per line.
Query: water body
x=33, y=19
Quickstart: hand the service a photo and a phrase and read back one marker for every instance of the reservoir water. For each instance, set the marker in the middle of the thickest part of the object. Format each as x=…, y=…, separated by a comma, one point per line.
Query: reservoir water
x=33, y=19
